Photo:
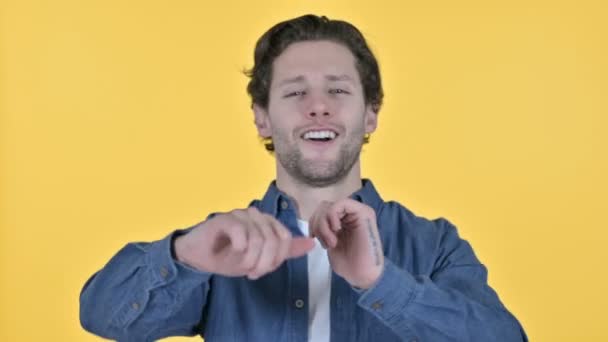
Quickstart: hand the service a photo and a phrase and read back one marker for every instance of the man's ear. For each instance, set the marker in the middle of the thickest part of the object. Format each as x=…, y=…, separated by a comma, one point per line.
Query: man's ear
x=262, y=121
x=371, y=119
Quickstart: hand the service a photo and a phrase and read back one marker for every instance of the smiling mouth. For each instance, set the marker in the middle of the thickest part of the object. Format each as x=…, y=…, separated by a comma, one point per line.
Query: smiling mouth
x=319, y=135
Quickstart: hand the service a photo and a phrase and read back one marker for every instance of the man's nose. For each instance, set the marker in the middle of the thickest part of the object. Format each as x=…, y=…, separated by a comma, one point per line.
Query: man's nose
x=318, y=107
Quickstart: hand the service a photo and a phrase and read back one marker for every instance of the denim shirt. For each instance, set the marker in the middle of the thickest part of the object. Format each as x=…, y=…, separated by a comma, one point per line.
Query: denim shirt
x=433, y=288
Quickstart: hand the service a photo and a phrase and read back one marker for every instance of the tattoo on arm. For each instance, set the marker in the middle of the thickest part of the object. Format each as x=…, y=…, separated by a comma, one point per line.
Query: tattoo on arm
x=374, y=242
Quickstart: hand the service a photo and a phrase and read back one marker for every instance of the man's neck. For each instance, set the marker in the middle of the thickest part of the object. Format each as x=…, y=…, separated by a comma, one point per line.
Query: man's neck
x=307, y=197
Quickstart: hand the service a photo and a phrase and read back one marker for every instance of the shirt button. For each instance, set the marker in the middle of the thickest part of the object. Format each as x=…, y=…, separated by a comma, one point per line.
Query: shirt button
x=299, y=303
x=377, y=306
x=164, y=272
x=135, y=306
x=284, y=205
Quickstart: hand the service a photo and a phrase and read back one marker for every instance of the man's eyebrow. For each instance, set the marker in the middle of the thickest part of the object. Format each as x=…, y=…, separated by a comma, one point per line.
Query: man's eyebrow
x=301, y=78
x=343, y=77
x=297, y=79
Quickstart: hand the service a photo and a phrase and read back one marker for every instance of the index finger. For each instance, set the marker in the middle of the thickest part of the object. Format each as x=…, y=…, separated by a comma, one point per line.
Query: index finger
x=348, y=207
x=298, y=246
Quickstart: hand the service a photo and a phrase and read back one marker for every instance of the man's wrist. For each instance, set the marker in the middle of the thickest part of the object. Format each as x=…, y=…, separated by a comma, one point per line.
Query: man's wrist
x=369, y=282
x=179, y=250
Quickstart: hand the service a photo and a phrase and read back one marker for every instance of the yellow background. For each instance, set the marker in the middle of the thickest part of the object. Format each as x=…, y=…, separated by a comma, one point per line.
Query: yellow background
x=123, y=120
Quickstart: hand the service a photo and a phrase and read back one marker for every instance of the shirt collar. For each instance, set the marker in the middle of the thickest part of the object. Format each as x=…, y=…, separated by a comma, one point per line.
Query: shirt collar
x=274, y=198
x=368, y=195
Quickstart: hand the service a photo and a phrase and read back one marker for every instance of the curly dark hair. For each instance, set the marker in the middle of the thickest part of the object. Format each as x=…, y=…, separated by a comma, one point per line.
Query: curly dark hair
x=306, y=28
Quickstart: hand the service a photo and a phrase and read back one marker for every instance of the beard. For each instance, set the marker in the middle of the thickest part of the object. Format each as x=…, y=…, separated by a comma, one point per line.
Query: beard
x=319, y=173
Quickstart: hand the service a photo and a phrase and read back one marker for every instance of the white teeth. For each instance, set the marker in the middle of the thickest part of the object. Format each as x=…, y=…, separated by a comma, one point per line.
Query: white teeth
x=319, y=135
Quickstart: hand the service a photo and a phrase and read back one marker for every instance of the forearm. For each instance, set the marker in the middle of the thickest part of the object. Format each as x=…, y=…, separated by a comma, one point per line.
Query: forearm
x=143, y=294
x=440, y=310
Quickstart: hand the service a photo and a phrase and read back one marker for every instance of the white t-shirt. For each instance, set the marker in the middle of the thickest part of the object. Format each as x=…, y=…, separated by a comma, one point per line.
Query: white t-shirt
x=319, y=290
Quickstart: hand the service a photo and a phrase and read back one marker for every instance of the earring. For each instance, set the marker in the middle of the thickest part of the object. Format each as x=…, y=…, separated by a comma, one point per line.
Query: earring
x=366, y=137
x=268, y=144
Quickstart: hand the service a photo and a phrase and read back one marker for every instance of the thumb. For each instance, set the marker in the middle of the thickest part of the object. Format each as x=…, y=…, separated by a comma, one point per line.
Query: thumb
x=300, y=246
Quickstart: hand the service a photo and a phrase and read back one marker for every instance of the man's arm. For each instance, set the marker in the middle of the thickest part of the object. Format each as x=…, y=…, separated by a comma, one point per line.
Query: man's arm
x=454, y=303
x=143, y=294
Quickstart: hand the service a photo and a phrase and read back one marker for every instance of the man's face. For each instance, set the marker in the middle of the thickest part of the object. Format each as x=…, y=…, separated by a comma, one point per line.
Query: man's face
x=316, y=112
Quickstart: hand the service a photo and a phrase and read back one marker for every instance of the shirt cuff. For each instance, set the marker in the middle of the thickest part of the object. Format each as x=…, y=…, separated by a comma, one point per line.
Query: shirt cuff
x=390, y=297
x=164, y=269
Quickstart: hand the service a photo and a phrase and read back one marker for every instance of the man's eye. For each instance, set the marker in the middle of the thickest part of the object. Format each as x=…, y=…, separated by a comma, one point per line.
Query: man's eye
x=338, y=91
x=295, y=93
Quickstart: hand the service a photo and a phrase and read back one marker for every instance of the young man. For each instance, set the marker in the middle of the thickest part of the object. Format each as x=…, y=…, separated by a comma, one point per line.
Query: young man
x=321, y=257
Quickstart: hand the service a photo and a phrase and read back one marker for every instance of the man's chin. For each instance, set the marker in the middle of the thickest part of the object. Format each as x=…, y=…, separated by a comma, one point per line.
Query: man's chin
x=321, y=174
x=326, y=155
